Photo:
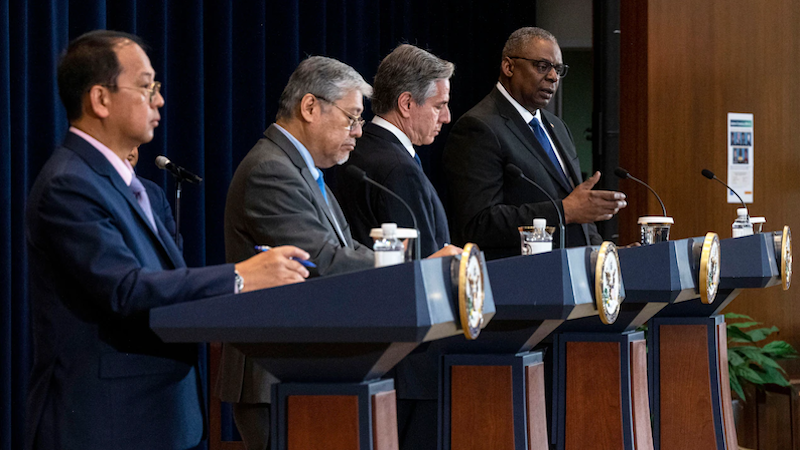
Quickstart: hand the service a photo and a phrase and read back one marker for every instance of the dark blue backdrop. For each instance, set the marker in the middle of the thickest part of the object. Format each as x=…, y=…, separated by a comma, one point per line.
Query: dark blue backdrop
x=223, y=64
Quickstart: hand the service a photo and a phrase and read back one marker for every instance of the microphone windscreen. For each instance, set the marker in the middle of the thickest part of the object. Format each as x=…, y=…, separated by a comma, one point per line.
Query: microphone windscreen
x=708, y=174
x=162, y=161
x=620, y=172
x=355, y=172
x=513, y=171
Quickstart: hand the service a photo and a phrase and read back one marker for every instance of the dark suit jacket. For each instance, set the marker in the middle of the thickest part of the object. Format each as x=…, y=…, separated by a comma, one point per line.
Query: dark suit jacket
x=381, y=155
x=101, y=378
x=486, y=205
x=160, y=206
x=274, y=200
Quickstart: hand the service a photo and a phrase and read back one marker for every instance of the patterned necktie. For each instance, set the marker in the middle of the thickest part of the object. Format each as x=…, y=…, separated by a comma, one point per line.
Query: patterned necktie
x=321, y=184
x=144, y=201
x=541, y=136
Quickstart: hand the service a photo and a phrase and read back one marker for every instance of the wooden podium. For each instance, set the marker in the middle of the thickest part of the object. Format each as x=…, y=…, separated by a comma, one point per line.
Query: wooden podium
x=493, y=389
x=600, y=386
x=329, y=340
x=690, y=390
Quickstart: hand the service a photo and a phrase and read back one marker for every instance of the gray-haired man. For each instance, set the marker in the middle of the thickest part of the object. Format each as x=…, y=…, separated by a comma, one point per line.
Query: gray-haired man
x=278, y=196
x=412, y=91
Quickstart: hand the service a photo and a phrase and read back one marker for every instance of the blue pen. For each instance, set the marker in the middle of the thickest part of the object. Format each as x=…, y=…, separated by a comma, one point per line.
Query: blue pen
x=305, y=262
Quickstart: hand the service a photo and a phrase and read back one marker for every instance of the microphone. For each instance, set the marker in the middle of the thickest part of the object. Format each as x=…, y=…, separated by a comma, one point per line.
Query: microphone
x=357, y=173
x=515, y=172
x=710, y=175
x=181, y=174
x=622, y=173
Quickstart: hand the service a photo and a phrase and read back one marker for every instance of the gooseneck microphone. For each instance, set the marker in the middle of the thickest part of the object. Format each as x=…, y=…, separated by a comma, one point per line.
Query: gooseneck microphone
x=357, y=173
x=710, y=175
x=515, y=172
x=622, y=173
x=181, y=174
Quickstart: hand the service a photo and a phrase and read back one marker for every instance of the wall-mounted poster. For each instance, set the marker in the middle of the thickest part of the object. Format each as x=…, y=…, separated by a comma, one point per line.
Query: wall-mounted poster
x=740, y=156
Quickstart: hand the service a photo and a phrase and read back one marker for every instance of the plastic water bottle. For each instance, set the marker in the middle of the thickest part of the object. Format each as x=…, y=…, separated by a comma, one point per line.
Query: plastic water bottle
x=388, y=250
x=742, y=226
x=540, y=241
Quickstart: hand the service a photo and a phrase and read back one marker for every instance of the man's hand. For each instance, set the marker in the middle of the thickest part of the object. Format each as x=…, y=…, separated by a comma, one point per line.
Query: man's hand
x=447, y=250
x=273, y=268
x=584, y=205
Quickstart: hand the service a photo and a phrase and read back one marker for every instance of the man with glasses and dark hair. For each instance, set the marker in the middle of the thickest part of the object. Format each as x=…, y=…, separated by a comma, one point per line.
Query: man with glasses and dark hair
x=510, y=126
x=100, y=258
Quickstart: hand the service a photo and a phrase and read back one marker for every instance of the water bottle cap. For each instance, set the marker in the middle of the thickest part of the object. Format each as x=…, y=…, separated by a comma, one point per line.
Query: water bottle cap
x=389, y=230
x=741, y=211
x=539, y=223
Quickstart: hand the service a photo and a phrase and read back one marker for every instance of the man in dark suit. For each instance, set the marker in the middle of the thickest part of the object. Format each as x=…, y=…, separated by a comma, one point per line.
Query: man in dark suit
x=412, y=91
x=100, y=259
x=158, y=202
x=510, y=126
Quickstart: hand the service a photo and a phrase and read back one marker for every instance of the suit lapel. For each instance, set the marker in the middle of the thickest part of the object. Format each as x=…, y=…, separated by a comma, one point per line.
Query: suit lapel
x=281, y=141
x=559, y=140
x=524, y=133
x=99, y=164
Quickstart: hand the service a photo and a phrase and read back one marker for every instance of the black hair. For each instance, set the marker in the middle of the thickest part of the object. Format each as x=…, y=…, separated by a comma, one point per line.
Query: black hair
x=89, y=60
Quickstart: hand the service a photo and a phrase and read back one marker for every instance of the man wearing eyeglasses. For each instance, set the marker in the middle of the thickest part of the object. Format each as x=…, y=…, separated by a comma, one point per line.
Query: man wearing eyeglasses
x=101, y=258
x=278, y=196
x=510, y=126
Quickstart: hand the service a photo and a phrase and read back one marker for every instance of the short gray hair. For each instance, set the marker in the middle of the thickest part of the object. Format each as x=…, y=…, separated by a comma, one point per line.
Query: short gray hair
x=521, y=37
x=408, y=69
x=322, y=77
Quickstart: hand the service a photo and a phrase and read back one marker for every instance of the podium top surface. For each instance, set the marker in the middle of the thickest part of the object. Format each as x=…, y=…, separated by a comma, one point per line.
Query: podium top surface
x=411, y=302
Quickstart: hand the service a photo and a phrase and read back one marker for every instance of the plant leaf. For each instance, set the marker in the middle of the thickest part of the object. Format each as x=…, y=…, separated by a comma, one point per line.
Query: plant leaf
x=780, y=350
x=759, y=334
x=737, y=335
x=743, y=324
x=734, y=359
x=737, y=387
x=737, y=316
x=750, y=375
x=772, y=376
x=754, y=355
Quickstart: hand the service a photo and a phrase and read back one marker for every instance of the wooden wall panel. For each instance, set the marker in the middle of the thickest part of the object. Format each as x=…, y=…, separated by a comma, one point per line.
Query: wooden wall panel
x=703, y=60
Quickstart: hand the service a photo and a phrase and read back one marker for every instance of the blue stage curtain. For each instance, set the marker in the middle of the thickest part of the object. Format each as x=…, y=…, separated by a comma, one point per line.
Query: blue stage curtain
x=223, y=64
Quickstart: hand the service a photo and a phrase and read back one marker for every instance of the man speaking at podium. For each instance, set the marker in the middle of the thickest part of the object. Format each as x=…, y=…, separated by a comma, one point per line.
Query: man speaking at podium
x=510, y=126
x=100, y=259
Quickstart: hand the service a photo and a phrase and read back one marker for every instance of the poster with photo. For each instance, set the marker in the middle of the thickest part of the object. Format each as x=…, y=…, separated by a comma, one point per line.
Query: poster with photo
x=740, y=156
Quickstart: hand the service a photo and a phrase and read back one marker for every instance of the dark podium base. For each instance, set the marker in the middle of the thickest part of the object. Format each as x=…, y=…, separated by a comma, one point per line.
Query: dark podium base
x=600, y=392
x=691, y=393
x=337, y=416
x=495, y=402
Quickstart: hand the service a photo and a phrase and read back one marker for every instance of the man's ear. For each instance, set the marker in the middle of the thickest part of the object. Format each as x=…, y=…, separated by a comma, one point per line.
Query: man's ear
x=404, y=102
x=310, y=108
x=507, y=67
x=98, y=101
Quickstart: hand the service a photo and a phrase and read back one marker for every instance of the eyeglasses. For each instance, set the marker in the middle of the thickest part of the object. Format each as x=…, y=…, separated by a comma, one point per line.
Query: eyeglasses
x=354, y=120
x=543, y=66
x=152, y=89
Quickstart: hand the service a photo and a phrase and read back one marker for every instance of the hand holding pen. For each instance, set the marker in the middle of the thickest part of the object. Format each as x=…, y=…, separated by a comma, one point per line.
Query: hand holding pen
x=276, y=268
x=304, y=262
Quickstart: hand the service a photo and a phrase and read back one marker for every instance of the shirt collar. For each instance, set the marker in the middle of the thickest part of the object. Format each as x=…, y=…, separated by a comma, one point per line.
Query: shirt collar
x=383, y=123
x=527, y=116
x=302, y=150
x=122, y=166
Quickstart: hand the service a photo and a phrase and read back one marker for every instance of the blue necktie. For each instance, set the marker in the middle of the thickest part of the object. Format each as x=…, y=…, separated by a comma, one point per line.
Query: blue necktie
x=541, y=136
x=144, y=201
x=416, y=158
x=321, y=184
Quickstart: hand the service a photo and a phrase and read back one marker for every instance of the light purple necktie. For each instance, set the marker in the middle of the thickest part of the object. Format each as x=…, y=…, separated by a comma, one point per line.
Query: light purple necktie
x=144, y=201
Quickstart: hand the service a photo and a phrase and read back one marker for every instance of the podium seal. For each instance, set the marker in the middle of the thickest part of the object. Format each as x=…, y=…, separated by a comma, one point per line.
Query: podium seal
x=786, y=258
x=709, y=268
x=471, y=291
x=607, y=283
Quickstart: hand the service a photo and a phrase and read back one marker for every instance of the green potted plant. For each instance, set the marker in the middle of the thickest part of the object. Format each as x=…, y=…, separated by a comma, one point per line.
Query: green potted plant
x=751, y=362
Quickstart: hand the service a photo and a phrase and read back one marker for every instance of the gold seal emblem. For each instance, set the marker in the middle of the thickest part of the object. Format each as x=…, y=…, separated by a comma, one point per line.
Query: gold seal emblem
x=608, y=283
x=786, y=258
x=709, y=268
x=470, y=291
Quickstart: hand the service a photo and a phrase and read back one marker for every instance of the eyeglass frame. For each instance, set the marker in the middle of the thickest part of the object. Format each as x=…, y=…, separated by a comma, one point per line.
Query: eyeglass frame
x=550, y=66
x=152, y=88
x=354, y=120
